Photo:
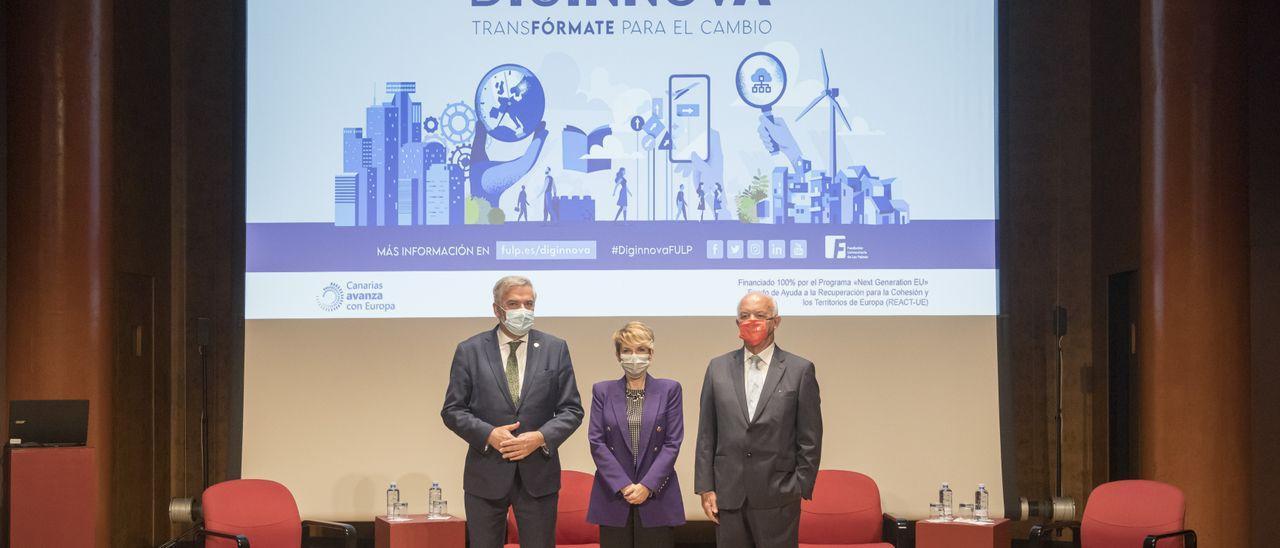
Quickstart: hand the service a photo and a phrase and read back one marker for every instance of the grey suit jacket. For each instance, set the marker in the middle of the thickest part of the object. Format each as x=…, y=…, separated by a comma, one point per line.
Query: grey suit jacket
x=477, y=400
x=772, y=459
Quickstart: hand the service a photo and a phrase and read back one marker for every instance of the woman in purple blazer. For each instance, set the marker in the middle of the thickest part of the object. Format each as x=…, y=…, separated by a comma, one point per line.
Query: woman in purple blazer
x=637, y=425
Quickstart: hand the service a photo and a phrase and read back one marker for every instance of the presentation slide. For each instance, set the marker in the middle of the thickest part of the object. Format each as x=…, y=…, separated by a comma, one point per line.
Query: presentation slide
x=643, y=160
x=837, y=154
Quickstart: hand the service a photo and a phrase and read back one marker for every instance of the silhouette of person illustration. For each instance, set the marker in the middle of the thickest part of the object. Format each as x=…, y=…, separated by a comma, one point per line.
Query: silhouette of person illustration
x=550, y=202
x=522, y=205
x=620, y=181
x=702, y=203
x=680, y=205
x=717, y=202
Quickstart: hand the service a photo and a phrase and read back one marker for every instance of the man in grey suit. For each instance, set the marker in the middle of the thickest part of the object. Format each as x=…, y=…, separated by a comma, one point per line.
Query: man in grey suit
x=513, y=398
x=759, y=435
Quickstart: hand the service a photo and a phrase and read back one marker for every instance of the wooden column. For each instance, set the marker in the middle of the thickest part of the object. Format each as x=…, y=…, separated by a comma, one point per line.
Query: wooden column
x=59, y=230
x=1194, y=334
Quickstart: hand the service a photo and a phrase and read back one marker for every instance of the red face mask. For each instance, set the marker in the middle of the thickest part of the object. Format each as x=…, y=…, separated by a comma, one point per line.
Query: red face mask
x=753, y=332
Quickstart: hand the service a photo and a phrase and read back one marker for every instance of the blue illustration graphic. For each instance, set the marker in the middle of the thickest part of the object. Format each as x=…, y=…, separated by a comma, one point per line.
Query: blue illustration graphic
x=620, y=190
x=402, y=169
x=830, y=94
x=458, y=123
x=550, y=204
x=802, y=196
x=490, y=178
x=690, y=119
x=511, y=102
x=761, y=82
x=681, y=205
x=576, y=209
x=522, y=205
x=577, y=146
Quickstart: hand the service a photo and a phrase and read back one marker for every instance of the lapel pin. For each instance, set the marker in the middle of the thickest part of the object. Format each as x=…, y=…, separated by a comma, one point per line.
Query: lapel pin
x=536, y=345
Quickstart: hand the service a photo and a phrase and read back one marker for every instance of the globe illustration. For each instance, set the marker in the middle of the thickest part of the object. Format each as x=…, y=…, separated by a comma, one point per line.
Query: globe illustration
x=510, y=102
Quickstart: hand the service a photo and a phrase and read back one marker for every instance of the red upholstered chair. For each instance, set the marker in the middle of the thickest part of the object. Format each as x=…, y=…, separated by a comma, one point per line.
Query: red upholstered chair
x=845, y=512
x=1127, y=514
x=572, y=529
x=261, y=511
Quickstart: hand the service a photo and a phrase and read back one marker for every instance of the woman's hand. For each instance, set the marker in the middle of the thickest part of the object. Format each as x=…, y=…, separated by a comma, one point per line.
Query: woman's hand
x=635, y=493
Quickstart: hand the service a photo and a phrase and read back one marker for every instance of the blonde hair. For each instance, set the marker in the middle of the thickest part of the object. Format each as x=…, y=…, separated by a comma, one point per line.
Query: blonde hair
x=634, y=334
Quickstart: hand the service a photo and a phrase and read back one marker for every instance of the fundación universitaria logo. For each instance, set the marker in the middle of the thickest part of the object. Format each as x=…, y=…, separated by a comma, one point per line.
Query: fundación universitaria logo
x=838, y=248
x=330, y=298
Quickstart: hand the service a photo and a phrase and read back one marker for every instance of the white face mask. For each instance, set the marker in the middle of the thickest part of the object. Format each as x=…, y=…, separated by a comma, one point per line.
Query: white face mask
x=635, y=365
x=518, y=321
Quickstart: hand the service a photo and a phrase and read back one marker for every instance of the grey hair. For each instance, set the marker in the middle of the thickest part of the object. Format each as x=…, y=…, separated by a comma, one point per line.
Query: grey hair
x=506, y=284
x=773, y=303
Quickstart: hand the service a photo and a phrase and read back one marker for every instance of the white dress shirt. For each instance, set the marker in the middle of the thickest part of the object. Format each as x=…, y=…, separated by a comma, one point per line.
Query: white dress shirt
x=753, y=389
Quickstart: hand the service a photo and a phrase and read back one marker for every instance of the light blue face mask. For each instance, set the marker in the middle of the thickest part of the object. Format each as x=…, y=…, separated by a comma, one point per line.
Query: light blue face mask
x=518, y=321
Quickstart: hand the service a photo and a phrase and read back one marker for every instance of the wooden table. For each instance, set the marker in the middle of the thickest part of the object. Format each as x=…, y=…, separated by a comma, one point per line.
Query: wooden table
x=420, y=532
x=996, y=534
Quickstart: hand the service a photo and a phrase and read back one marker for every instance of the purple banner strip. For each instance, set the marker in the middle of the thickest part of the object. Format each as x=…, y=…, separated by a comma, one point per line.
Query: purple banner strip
x=730, y=245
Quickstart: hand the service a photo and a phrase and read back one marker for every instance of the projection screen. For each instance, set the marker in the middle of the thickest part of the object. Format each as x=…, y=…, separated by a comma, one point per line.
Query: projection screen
x=637, y=159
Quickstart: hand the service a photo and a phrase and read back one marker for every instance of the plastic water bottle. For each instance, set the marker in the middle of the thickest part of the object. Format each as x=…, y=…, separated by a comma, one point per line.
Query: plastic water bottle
x=982, y=503
x=945, y=499
x=393, y=499
x=434, y=496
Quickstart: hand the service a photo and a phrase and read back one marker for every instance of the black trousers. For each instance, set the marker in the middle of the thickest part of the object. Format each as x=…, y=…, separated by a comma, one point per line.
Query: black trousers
x=535, y=518
x=749, y=527
x=635, y=535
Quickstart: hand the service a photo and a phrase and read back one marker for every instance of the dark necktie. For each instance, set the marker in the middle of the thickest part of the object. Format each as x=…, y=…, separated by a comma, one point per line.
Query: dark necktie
x=513, y=372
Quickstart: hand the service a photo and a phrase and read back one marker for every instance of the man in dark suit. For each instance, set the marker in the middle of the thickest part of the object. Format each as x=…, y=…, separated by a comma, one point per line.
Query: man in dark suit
x=759, y=435
x=513, y=398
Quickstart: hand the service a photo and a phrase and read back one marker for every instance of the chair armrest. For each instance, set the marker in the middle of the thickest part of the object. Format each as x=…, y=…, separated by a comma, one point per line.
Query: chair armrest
x=348, y=530
x=241, y=540
x=1188, y=535
x=899, y=532
x=1040, y=533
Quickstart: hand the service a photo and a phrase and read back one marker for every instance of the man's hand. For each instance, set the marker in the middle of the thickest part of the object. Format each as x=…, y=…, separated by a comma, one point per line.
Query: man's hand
x=635, y=493
x=521, y=446
x=501, y=434
x=709, y=506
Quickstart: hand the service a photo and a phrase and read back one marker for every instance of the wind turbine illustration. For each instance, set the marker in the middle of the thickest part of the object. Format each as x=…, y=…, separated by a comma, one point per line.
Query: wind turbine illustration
x=831, y=93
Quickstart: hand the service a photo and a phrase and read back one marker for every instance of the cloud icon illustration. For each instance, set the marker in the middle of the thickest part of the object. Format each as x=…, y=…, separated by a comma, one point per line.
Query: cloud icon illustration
x=761, y=76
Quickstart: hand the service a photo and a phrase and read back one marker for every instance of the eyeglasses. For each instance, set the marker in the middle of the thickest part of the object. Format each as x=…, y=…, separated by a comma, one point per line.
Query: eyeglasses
x=747, y=316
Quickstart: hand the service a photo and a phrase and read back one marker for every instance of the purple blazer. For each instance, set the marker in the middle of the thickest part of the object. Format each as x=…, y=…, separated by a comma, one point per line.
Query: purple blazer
x=661, y=433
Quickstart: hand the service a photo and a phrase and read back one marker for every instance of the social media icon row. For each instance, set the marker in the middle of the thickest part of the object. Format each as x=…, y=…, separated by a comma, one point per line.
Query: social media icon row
x=757, y=249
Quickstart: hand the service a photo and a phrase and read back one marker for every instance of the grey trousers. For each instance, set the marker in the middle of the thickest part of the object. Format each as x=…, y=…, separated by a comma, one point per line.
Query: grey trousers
x=749, y=527
x=535, y=519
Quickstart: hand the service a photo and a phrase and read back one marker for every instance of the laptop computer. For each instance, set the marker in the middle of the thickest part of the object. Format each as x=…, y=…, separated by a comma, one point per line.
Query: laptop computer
x=48, y=423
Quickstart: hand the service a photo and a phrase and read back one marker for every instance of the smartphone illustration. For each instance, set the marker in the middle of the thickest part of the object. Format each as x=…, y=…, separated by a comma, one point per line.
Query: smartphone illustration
x=689, y=116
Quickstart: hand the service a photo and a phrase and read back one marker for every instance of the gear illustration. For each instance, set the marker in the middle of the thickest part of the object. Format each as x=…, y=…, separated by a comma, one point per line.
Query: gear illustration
x=458, y=123
x=461, y=157
x=430, y=124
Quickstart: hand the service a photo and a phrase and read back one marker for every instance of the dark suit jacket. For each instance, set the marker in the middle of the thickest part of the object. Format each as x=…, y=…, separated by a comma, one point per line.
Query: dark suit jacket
x=661, y=433
x=772, y=459
x=477, y=400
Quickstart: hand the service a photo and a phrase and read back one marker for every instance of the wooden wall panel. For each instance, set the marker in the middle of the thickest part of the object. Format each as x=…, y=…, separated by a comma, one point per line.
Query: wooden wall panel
x=1194, y=330
x=59, y=101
